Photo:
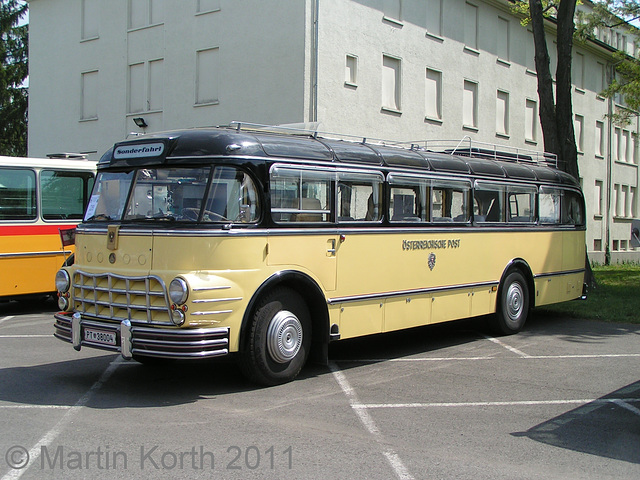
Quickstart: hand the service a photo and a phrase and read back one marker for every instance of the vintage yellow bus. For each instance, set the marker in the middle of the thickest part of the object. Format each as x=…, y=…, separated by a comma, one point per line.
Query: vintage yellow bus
x=39, y=198
x=268, y=246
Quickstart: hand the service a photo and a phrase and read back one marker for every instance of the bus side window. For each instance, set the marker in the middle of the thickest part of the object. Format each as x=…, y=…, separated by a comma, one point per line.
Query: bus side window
x=359, y=197
x=17, y=194
x=489, y=203
x=549, y=206
x=572, y=211
x=63, y=194
x=409, y=199
x=521, y=204
x=299, y=195
x=450, y=203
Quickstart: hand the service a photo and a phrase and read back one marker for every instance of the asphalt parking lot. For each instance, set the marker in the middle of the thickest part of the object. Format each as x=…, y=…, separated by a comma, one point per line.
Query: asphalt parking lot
x=559, y=400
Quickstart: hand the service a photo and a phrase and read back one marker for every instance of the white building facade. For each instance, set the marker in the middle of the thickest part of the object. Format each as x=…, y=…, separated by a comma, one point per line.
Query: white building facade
x=404, y=70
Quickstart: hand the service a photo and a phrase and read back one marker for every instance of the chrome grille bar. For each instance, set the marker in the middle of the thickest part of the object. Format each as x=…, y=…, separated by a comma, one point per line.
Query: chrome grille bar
x=123, y=297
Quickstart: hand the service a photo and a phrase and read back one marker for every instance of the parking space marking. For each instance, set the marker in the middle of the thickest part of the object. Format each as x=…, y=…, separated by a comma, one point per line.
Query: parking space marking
x=9, y=317
x=504, y=345
x=581, y=401
x=51, y=435
x=368, y=422
x=25, y=336
x=45, y=407
x=625, y=404
x=451, y=359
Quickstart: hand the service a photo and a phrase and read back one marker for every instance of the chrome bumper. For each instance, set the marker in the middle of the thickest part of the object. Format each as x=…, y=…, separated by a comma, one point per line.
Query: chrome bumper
x=137, y=340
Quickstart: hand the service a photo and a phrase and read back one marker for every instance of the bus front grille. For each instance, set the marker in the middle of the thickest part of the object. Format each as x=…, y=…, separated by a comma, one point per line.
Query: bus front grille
x=109, y=296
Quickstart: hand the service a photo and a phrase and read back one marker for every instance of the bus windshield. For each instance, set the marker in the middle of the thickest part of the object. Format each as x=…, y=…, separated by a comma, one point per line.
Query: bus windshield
x=184, y=194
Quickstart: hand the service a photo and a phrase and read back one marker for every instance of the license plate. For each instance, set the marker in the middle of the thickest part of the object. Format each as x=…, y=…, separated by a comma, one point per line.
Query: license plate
x=97, y=336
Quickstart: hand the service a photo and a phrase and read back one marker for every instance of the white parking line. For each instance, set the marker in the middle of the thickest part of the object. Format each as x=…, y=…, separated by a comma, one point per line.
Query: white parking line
x=581, y=401
x=452, y=359
x=45, y=407
x=26, y=336
x=504, y=345
x=51, y=435
x=391, y=456
x=2, y=320
x=624, y=403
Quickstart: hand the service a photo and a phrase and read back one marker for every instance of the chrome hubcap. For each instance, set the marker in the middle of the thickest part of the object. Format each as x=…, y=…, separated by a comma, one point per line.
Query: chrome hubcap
x=284, y=337
x=515, y=301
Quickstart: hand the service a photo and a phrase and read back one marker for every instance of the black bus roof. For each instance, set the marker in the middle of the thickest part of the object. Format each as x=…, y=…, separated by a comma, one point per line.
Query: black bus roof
x=198, y=145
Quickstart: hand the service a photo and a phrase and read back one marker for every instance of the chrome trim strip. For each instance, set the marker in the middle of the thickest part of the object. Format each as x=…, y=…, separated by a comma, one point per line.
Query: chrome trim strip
x=216, y=312
x=559, y=274
x=214, y=300
x=35, y=254
x=400, y=293
x=207, y=289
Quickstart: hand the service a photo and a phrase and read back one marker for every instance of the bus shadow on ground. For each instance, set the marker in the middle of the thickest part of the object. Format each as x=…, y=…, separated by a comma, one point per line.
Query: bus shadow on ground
x=608, y=427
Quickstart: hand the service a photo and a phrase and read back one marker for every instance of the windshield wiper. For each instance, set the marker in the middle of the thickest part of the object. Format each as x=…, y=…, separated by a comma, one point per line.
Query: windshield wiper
x=99, y=216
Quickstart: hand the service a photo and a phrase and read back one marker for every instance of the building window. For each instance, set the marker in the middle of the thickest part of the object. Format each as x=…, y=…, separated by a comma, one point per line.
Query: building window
x=471, y=26
x=578, y=126
x=601, y=79
x=598, y=192
x=89, y=96
x=617, y=141
x=634, y=154
x=207, y=69
x=626, y=201
x=633, y=211
x=434, y=18
x=530, y=123
x=502, y=113
x=143, y=13
x=205, y=6
x=146, y=92
x=577, y=70
x=599, y=139
x=597, y=244
x=617, y=200
x=503, y=39
x=433, y=94
x=391, y=88
x=392, y=10
x=626, y=149
x=351, y=71
x=90, y=19
x=531, y=54
x=470, y=105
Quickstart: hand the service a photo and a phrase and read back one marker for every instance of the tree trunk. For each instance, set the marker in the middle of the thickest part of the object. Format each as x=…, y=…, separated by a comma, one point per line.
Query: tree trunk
x=568, y=152
x=545, y=82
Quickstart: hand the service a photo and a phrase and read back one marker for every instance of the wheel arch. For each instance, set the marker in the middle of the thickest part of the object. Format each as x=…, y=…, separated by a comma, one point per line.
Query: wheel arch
x=313, y=296
x=521, y=265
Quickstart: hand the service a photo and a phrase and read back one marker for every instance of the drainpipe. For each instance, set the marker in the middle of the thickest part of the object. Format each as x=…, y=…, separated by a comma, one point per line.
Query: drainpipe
x=607, y=207
x=314, y=67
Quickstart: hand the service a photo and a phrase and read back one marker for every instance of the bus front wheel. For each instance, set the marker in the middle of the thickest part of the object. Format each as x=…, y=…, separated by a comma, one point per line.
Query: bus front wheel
x=279, y=338
x=513, y=306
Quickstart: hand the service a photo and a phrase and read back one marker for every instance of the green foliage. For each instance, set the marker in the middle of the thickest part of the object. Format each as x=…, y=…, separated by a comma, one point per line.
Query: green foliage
x=14, y=70
x=616, y=14
x=615, y=299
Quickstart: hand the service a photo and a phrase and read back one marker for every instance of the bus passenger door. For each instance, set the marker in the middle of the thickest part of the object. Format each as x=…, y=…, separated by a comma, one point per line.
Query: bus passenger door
x=313, y=254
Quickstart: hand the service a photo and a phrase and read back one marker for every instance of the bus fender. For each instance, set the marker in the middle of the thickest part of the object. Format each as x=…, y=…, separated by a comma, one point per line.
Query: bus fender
x=525, y=269
x=312, y=294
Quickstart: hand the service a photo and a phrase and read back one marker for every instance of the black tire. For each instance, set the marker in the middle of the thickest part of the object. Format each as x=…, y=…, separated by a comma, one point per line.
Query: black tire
x=278, y=339
x=513, y=305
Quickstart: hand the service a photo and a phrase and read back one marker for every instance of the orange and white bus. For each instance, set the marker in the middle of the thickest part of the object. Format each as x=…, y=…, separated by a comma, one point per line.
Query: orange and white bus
x=268, y=246
x=39, y=199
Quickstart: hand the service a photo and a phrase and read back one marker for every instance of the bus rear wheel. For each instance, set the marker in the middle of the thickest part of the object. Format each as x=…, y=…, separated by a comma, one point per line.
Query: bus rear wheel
x=279, y=339
x=513, y=306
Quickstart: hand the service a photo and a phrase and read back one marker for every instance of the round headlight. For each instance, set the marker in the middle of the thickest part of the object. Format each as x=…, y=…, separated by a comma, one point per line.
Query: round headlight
x=63, y=303
x=178, y=291
x=63, y=281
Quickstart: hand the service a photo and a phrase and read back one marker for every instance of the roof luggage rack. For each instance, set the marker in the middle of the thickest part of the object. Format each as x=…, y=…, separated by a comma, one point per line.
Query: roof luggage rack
x=466, y=147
